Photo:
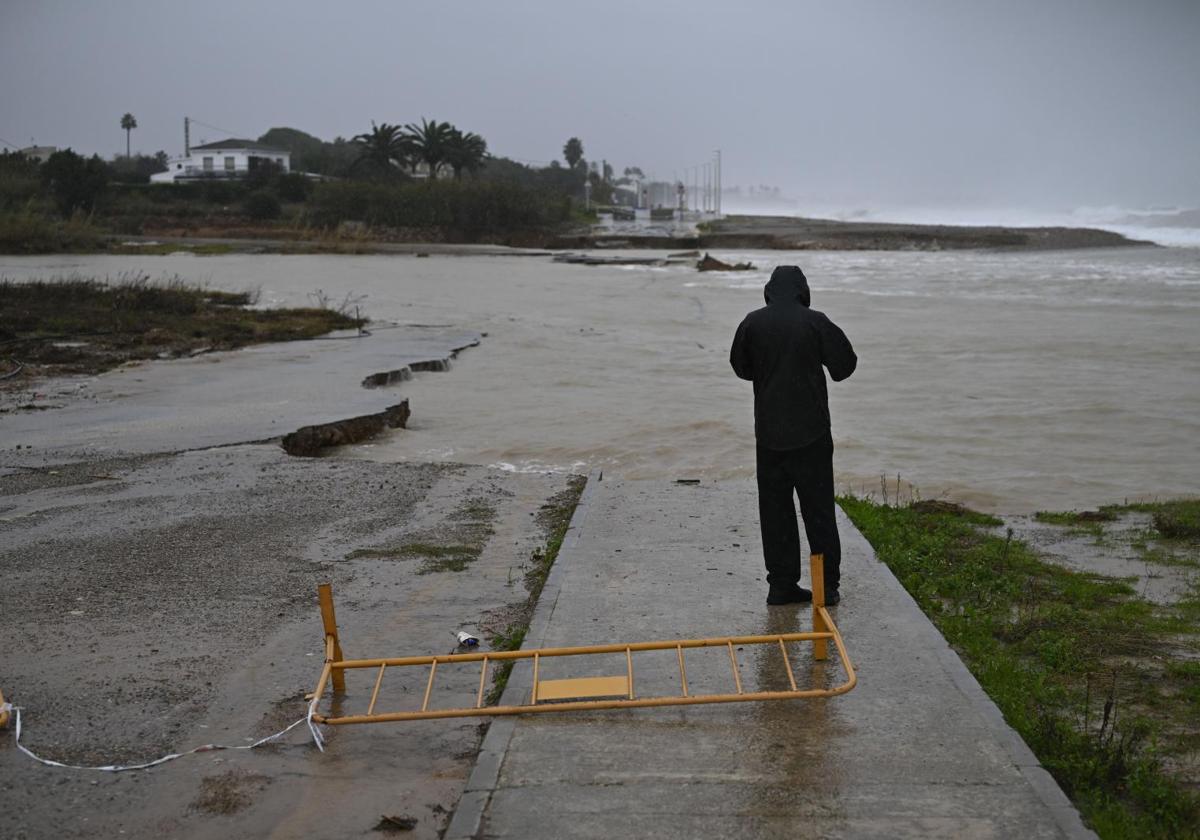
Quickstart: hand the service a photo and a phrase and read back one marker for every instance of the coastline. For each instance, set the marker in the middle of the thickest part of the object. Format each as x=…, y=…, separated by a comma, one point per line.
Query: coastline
x=788, y=233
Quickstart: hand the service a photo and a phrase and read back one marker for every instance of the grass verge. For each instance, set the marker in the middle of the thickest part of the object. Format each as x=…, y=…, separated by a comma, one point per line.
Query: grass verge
x=1099, y=682
x=555, y=518
x=80, y=325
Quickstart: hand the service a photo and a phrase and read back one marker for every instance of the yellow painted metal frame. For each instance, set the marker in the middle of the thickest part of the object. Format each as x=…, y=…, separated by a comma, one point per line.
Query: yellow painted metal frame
x=566, y=695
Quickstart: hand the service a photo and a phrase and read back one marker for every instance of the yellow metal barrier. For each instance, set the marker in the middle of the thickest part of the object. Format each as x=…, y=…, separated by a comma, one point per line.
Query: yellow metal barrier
x=563, y=695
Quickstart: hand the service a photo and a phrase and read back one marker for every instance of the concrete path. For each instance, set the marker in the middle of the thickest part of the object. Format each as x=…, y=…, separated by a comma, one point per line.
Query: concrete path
x=916, y=750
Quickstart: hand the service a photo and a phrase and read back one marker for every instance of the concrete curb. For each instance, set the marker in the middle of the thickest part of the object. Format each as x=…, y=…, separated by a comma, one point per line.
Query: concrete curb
x=1047, y=790
x=468, y=815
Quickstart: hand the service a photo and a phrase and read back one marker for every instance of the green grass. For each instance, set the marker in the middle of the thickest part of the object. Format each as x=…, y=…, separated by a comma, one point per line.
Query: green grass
x=1084, y=670
x=134, y=317
x=448, y=549
x=1173, y=538
x=1177, y=519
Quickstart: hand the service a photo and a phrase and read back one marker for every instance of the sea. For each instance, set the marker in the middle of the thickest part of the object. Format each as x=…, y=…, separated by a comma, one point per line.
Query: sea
x=1010, y=381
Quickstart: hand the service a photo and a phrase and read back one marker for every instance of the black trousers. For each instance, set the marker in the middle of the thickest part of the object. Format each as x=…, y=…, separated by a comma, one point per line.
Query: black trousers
x=808, y=473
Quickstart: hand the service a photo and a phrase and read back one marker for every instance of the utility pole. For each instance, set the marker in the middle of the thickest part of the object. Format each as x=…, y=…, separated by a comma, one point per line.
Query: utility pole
x=187, y=137
x=718, y=207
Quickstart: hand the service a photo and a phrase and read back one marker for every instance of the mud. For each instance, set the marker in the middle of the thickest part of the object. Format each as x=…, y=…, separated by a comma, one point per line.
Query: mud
x=1106, y=545
x=153, y=603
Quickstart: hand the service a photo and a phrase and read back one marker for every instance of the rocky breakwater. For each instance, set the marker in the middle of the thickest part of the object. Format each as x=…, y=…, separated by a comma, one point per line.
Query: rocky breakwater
x=788, y=233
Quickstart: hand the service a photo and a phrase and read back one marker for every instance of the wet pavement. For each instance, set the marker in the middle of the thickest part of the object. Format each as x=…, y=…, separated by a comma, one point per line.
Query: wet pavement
x=155, y=603
x=915, y=750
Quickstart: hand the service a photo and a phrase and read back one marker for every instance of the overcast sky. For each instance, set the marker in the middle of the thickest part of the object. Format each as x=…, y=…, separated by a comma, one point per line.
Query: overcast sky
x=1049, y=104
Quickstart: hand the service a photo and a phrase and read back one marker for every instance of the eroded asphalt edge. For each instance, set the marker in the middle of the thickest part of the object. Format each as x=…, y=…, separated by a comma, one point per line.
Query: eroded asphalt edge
x=467, y=820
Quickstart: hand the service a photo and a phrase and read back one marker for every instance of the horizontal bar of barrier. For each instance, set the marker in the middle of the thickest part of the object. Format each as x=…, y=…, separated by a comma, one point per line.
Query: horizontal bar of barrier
x=498, y=655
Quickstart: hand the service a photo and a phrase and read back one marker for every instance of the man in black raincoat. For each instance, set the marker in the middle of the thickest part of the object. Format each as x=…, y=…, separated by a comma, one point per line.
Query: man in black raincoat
x=781, y=348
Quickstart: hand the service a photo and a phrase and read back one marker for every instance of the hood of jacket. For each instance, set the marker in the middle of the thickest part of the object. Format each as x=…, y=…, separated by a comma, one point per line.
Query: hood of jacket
x=787, y=285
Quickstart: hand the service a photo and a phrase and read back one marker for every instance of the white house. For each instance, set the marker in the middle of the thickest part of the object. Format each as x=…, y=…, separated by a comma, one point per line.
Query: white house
x=39, y=153
x=223, y=159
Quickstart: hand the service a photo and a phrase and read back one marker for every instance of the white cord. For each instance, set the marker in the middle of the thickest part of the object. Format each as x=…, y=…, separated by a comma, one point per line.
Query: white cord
x=118, y=768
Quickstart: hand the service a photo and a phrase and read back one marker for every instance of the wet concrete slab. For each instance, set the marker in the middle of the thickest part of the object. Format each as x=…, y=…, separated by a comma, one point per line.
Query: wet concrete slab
x=216, y=399
x=915, y=750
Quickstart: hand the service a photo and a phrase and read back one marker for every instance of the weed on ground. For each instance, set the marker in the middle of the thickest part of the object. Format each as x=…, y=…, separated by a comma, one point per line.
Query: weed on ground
x=85, y=325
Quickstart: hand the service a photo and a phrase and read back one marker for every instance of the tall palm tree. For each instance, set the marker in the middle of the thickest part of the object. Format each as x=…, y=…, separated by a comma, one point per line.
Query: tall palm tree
x=430, y=141
x=573, y=152
x=129, y=124
x=465, y=151
x=381, y=149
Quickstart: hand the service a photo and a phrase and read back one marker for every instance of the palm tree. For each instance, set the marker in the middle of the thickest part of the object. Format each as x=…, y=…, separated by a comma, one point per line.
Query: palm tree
x=129, y=124
x=382, y=149
x=430, y=142
x=573, y=152
x=465, y=151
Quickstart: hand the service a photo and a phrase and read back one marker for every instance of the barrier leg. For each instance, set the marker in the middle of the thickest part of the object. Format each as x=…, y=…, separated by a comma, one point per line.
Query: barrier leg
x=333, y=647
x=820, y=646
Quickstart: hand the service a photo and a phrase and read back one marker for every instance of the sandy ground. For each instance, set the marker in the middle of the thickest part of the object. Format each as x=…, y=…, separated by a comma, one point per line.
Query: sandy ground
x=160, y=602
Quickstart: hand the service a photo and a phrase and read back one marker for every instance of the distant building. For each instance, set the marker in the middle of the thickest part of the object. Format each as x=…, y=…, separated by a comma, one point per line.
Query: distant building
x=227, y=159
x=38, y=153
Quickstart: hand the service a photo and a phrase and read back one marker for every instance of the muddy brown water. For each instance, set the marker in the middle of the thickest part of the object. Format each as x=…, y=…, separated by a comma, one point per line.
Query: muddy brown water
x=1012, y=381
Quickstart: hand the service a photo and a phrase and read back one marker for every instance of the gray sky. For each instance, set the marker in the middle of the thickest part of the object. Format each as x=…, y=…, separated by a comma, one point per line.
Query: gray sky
x=1048, y=104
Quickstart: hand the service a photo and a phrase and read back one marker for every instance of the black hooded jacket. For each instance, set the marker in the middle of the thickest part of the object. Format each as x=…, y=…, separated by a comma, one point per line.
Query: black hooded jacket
x=781, y=348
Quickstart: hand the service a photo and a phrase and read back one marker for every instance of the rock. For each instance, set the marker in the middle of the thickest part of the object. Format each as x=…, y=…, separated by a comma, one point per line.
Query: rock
x=310, y=440
x=387, y=377
x=711, y=263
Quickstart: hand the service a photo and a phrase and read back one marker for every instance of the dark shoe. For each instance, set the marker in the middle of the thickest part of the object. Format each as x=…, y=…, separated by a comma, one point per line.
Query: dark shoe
x=794, y=595
x=832, y=597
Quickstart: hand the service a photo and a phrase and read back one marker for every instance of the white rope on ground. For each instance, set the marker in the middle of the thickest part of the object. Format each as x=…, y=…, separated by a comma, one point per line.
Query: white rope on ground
x=318, y=739
x=119, y=768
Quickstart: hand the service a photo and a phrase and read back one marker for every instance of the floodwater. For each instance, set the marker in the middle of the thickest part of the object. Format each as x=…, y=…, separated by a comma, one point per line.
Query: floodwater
x=1011, y=381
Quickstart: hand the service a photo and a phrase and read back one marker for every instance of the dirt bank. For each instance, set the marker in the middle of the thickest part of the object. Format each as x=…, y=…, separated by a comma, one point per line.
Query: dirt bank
x=159, y=602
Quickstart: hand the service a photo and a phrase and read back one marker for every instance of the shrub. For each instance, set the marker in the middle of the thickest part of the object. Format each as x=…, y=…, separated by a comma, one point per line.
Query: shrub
x=292, y=187
x=261, y=206
x=27, y=232
x=464, y=209
x=74, y=181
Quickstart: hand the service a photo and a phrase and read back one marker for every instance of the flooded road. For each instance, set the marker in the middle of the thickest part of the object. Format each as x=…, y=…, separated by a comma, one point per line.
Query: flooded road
x=1012, y=381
